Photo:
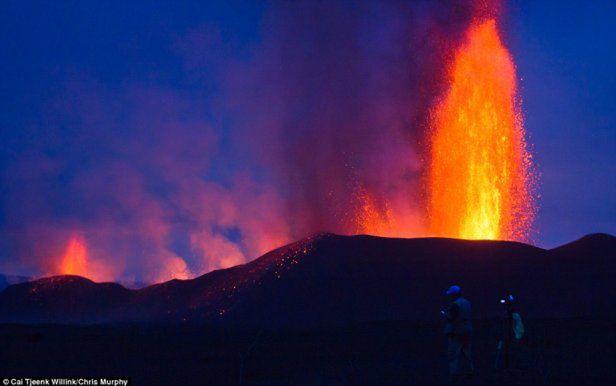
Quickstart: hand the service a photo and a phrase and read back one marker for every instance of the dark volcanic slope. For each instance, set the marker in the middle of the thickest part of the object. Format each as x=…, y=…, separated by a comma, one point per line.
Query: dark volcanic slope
x=339, y=279
x=7, y=280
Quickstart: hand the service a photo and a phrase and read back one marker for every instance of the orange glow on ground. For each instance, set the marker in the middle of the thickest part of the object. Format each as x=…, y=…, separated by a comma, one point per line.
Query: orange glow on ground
x=479, y=181
x=74, y=261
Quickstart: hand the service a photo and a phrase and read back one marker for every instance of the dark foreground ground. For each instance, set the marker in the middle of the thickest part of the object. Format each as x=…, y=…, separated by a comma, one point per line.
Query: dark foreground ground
x=555, y=352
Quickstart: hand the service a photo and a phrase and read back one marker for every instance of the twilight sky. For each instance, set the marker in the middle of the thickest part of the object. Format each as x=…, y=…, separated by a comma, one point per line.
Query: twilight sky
x=566, y=55
x=181, y=138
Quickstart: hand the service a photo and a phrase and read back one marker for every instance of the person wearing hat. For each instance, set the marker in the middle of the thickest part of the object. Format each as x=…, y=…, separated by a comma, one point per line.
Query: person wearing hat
x=458, y=330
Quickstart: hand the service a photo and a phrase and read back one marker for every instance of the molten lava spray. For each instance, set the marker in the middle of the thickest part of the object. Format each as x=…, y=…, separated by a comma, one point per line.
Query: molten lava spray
x=375, y=220
x=74, y=261
x=479, y=173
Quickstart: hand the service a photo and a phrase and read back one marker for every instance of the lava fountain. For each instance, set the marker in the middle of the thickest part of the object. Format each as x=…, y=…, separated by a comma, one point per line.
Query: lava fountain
x=373, y=219
x=74, y=261
x=479, y=179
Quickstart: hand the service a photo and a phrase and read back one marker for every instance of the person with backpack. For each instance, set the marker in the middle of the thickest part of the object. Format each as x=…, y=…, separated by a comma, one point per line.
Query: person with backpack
x=513, y=331
x=458, y=330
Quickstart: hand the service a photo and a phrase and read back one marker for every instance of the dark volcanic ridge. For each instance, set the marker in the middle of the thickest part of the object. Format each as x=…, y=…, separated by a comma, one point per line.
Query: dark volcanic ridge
x=7, y=280
x=331, y=279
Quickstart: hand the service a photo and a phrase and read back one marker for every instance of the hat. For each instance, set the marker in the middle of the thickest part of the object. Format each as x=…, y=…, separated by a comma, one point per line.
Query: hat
x=454, y=289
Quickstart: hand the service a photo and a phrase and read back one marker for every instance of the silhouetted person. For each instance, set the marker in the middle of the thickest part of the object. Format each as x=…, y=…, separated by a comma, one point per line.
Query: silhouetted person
x=512, y=331
x=507, y=329
x=458, y=330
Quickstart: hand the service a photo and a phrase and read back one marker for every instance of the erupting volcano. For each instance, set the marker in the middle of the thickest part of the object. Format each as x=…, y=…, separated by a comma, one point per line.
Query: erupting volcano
x=346, y=133
x=479, y=179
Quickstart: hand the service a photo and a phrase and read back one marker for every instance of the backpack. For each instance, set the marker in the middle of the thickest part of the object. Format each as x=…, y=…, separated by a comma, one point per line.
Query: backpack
x=518, y=326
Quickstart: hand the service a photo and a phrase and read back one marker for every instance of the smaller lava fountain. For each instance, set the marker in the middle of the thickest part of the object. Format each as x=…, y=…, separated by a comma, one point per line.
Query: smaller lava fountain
x=372, y=219
x=479, y=179
x=74, y=261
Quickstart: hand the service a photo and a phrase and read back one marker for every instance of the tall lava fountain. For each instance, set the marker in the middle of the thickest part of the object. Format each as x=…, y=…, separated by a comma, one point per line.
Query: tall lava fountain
x=479, y=180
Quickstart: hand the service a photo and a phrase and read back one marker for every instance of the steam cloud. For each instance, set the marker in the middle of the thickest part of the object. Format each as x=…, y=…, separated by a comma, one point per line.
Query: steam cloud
x=328, y=109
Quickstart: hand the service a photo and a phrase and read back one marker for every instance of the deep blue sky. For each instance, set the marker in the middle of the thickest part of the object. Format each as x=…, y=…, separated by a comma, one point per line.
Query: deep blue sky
x=77, y=69
x=566, y=55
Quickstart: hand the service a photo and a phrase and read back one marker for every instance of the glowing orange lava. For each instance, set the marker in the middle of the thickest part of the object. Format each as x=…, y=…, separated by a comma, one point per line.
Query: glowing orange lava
x=372, y=219
x=74, y=261
x=479, y=173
